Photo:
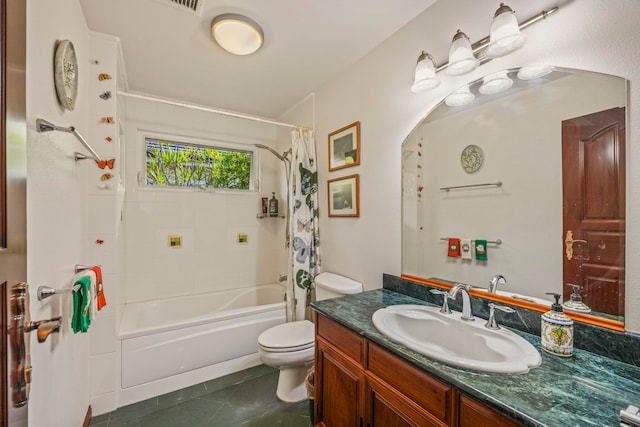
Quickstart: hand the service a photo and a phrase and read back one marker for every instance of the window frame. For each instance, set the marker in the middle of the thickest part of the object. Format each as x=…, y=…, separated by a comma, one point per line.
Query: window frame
x=254, y=178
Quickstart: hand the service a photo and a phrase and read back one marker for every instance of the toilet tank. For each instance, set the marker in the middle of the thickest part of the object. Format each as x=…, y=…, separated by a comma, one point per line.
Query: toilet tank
x=330, y=285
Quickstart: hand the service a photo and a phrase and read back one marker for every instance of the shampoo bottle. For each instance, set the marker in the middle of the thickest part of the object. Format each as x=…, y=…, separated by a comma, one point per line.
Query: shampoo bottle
x=557, y=330
x=273, y=205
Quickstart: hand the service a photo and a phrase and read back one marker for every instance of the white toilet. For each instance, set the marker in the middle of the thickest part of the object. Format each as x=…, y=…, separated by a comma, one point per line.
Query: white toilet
x=290, y=346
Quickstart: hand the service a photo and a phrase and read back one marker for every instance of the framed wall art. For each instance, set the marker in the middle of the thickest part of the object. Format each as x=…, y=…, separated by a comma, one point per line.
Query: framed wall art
x=344, y=147
x=344, y=196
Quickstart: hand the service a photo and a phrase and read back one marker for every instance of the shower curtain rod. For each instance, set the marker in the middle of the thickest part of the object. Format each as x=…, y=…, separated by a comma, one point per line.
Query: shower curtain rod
x=198, y=107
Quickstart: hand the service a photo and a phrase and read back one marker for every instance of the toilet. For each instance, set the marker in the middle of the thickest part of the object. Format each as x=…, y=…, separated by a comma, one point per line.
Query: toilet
x=290, y=346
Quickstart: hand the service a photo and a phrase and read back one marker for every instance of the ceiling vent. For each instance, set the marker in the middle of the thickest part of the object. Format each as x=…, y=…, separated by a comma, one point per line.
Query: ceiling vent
x=193, y=6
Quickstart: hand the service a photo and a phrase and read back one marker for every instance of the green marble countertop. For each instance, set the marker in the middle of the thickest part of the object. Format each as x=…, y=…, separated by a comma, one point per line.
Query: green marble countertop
x=583, y=390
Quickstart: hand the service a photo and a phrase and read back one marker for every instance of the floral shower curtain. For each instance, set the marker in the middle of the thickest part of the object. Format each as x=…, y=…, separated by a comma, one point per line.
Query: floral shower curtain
x=304, y=252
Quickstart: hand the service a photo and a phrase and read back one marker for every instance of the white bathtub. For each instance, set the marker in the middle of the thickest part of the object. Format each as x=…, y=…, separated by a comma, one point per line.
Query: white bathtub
x=172, y=343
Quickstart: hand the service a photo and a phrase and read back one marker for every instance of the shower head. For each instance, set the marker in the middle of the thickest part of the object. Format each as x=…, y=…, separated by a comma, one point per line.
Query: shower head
x=282, y=157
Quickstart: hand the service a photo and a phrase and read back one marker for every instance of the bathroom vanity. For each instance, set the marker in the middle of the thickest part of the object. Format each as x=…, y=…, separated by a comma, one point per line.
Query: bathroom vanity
x=364, y=379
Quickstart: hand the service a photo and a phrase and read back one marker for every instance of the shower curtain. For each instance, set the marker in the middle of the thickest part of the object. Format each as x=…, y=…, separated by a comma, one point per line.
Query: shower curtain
x=304, y=251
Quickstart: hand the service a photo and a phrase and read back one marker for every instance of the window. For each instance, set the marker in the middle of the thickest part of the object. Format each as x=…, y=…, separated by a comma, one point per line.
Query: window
x=177, y=164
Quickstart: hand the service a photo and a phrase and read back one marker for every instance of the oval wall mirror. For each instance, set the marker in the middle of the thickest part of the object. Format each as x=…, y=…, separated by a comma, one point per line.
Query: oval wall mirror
x=528, y=183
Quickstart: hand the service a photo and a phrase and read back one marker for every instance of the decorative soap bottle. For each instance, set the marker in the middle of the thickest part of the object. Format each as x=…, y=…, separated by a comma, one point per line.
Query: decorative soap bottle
x=575, y=303
x=273, y=205
x=557, y=330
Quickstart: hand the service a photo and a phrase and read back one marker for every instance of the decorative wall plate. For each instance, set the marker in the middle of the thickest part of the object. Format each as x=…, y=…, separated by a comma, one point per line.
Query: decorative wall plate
x=471, y=158
x=65, y=67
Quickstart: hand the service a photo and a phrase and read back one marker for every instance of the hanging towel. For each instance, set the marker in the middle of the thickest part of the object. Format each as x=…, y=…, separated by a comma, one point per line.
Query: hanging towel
x=465, y=248
x=81, y=311
x=93, y=296
x=454, y=247
x=481, y=250
x=102, y=300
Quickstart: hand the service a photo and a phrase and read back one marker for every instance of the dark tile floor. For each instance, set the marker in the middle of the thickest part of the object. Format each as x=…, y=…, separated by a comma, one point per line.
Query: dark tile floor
x=245, y=398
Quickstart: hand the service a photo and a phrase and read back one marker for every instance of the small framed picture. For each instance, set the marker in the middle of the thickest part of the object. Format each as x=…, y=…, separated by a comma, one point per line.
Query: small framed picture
x=344, y=147
x=344, y=196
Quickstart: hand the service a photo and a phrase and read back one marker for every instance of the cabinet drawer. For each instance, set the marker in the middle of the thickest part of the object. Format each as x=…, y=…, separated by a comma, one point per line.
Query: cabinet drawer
x=347, y=341
x=475, y=414
x=434, y=396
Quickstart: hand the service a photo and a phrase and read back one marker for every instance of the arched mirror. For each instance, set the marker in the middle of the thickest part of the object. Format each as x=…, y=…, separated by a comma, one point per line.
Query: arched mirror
x=524, y=177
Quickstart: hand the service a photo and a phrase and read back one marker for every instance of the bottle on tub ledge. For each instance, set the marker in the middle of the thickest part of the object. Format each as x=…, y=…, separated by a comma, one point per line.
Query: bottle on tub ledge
x=557, y=330
x=273, y=205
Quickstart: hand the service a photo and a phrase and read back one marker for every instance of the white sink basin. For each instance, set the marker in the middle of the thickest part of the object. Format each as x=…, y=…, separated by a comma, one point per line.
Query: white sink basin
x=448, y=339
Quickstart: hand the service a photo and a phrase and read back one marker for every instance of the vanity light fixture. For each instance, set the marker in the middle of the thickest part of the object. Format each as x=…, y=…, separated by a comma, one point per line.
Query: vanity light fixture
x=533, y=72
x=461, y=59
x=460, y=97
x=425, y=76
x=237, y=33
x=495, y=83
x=505, y=37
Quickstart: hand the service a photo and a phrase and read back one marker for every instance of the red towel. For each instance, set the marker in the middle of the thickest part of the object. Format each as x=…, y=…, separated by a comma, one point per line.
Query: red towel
x=454, y=247
x=102, y=301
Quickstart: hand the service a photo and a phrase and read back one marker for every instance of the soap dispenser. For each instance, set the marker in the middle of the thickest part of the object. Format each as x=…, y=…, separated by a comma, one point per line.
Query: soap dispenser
x=575, y=302
x=273, y=205
x=557, y=330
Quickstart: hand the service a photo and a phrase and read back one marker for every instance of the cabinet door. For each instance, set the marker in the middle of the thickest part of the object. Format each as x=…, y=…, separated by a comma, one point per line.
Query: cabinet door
x=475, y=414
x=386, y=407
x=339, y=389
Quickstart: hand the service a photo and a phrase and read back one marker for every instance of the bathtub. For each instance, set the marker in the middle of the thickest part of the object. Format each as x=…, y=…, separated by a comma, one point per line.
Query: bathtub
x=173, y=343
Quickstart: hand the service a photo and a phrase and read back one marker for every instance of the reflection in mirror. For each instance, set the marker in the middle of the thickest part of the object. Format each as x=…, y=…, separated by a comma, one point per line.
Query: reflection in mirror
x=525, y=166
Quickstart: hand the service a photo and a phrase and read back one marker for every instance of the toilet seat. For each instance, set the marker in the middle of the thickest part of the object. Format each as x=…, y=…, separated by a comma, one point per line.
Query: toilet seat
x=288, y=337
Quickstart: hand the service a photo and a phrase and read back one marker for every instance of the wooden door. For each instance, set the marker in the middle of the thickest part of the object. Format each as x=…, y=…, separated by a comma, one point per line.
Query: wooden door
x=13, y=268
x=593, y=174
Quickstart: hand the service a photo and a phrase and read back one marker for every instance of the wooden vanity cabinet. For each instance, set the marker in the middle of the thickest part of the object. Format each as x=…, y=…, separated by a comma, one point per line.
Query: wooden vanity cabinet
x=360, y=384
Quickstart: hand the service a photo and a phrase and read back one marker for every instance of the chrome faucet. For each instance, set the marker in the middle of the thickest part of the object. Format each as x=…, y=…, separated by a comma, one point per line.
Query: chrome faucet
x=498, y=279
x=466, y=300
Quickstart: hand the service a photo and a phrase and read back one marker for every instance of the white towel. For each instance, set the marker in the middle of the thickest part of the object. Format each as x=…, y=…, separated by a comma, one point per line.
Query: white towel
x=93, y=297
x=466, y=248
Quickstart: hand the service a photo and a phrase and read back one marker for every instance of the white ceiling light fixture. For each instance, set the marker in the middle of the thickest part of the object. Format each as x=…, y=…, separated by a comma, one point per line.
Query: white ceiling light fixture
x=425, y=75
x=461, y=59
x=532, y=72
x=237, y=33
x=505, y=36
x=495, y=83
x=460, y=97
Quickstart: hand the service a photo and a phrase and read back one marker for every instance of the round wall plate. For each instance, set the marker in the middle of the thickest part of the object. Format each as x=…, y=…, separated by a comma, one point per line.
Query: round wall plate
x=65, y=68
x=471, y=158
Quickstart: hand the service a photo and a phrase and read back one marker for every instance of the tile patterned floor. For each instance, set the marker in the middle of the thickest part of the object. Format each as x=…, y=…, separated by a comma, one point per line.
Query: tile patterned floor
x=246, y=398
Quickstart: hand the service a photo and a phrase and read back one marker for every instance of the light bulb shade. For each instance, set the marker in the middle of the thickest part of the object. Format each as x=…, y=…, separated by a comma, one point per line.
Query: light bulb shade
x=461, y=59
x=425, y=76
x=237, y=34
x=532, y=72
x=495, y=83
x=460, y=97
x=505, y=36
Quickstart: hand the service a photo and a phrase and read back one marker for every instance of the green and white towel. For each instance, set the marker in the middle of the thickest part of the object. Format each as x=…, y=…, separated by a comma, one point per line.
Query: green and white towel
x=81, y=305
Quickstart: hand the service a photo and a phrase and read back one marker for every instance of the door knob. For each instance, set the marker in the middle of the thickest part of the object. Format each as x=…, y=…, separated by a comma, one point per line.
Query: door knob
x=20, y=324
x=568, y=242
x=20, y=364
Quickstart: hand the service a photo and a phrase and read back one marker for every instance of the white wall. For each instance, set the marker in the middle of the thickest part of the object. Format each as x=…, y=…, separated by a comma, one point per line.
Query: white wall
x=211, y=258
x=588, y=34
x=56, y=222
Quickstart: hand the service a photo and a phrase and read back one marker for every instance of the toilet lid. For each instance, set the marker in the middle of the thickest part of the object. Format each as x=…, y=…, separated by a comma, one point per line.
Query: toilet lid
x=293, y=335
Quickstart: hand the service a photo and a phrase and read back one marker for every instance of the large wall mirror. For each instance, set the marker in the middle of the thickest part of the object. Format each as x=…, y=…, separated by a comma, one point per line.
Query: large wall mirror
x=536, y=170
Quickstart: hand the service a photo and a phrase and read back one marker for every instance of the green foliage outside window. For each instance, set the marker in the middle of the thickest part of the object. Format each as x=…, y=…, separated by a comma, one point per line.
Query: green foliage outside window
x=171, y=164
